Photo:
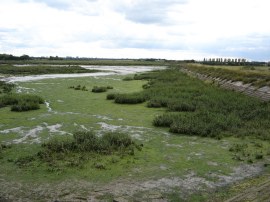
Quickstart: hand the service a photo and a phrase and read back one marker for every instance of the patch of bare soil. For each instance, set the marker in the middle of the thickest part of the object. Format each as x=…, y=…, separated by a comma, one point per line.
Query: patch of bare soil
x=128, y=189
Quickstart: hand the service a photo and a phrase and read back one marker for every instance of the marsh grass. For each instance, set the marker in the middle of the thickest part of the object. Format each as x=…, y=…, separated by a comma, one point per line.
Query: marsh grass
x=248, y=151
x=4, y=147
x=101, y=89
x=78, y=87
x=6, y=87
x=199, y=108
x=76, y=150
x=134, y=98
x=21, y=102
x=111, y=96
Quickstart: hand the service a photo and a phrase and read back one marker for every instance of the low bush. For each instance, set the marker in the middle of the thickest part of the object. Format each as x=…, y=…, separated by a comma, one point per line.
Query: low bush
x=83, y=145
x=21, y=102
x=89, y=142
x=157, y=103
x=99, y=89
x=109, y=87
x=180, y=106
x=111, y=96
x=78, y=87
x=25, y=106
x=134, y=98
x=6, y=87
x=165, y=120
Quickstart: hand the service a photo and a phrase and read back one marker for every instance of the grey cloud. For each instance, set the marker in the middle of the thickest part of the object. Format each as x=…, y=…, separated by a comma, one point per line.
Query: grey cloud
x=58, y=4
x=149, y=44
x=253, y=47
x=148, y=12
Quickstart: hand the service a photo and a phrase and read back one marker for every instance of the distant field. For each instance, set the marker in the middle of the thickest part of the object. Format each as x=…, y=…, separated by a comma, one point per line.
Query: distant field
x=91, y=62
x=42, y=69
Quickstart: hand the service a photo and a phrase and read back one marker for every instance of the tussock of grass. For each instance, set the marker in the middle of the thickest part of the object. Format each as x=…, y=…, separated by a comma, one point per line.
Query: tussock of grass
x=111, y=96
x=6, y=87
x=21, y=102
x=134, y=98
x=82, y=146
x=101, y=89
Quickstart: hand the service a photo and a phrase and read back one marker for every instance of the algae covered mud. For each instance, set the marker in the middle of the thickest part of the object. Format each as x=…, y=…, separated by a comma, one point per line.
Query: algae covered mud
x=97, y=71
x=46, y=154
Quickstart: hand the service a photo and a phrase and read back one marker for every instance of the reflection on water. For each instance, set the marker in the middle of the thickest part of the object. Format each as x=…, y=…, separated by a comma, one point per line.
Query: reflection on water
x=111, y=70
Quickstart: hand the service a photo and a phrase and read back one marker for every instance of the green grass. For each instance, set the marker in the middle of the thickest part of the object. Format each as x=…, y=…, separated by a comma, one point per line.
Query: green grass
x=164, y=155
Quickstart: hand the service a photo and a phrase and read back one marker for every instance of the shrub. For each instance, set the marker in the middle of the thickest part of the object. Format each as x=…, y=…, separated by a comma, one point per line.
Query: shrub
x=6, y=87
x=109, y=87
x=78, y=87
x=25, y=106
x=99, y=89
x=134, y=98
x=111, y=96
x=165, y=120
x=84, y=88
x=21, y=102
x=181, y=107
x=89, y=142
x=157, y=103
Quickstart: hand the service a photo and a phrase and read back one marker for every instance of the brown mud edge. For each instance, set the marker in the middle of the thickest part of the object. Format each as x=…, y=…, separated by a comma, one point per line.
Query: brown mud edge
x=260, y=193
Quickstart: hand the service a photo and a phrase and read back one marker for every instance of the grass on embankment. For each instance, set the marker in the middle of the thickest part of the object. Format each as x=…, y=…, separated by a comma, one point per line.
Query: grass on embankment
x=256, y=76
x=43, y=69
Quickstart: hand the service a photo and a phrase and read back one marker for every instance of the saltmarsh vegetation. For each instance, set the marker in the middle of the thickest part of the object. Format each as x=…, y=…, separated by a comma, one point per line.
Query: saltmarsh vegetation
x=6, y=87
x=101, y=89
x=18, y=102
x=83, y=146
x=197, y=108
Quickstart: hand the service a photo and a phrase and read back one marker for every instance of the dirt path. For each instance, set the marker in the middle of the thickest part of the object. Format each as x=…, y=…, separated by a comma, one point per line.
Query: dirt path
x=259, y=193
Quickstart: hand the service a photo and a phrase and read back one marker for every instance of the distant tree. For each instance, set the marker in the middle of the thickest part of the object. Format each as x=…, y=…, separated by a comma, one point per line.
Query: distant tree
x=25, y=57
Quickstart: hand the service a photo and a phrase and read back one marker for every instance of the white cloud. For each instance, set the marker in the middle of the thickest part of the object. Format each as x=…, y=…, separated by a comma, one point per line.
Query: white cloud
x=174, y=29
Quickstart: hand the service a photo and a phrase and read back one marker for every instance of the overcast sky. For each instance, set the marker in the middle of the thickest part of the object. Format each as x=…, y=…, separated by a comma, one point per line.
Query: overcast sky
x=171, y=29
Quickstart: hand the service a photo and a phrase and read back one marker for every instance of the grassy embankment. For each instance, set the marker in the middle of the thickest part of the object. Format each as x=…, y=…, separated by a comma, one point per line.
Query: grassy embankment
x=171, y=93
x=257, y=76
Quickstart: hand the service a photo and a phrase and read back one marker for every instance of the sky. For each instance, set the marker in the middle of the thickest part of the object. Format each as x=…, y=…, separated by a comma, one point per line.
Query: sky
x=165, y=29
